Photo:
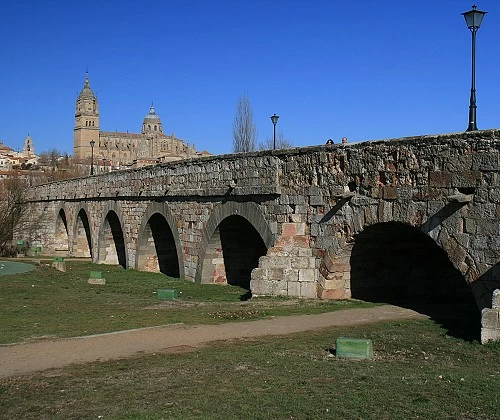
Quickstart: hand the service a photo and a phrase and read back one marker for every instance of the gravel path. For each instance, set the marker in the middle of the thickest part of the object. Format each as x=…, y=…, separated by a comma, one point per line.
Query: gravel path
x=24, y=358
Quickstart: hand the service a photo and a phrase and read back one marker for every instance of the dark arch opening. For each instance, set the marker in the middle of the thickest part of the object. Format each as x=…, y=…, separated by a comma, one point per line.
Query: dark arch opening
x=233, y=252
x=398, y=264
x=242, y=247
x=61, y=233
x=112, y=243
x=82, y=244
x=158, y=251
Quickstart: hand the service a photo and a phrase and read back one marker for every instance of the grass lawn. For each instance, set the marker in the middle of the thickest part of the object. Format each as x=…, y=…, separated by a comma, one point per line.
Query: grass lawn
x=47, y=303
x=418, y=372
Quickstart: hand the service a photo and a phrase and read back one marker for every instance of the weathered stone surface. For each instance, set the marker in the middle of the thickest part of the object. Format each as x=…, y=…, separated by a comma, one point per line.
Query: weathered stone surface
x=294, y=209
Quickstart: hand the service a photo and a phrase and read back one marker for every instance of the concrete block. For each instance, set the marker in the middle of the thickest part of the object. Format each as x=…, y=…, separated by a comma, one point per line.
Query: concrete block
x=59, y=265
x=354, y=348
x=98, y=282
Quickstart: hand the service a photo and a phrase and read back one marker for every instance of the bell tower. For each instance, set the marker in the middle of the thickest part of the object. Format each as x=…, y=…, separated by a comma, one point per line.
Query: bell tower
x=86, y=122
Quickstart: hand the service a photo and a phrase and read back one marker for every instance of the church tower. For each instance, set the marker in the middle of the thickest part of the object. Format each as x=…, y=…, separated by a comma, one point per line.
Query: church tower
x=86, y=122
x=28, y=148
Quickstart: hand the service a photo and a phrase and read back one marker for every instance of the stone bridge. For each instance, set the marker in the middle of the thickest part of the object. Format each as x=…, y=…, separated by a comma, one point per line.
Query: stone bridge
x=413, y=218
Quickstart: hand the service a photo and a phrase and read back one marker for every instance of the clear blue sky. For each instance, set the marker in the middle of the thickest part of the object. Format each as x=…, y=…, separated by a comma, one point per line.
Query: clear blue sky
x=363, y=69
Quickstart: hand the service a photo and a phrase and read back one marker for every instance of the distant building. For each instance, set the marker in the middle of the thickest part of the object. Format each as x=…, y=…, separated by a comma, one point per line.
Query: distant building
x=115, y=149
x=10, y=159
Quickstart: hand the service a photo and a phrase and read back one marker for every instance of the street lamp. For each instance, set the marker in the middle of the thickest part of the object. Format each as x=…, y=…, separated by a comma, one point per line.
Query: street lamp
x=473, y=18
x=274, y=119
x=92, y=143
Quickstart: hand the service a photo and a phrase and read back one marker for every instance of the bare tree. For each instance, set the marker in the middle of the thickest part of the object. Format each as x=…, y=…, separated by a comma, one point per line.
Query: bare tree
x=281, y=143
x=12, y=209
x=244, y=129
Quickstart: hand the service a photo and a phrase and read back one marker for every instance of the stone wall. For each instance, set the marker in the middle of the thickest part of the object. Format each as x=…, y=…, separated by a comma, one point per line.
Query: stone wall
x=308, y=205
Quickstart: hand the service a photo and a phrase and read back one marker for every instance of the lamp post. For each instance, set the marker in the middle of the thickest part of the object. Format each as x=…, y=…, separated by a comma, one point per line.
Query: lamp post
x=92, y=143
x=473, y=18
x=274, y=119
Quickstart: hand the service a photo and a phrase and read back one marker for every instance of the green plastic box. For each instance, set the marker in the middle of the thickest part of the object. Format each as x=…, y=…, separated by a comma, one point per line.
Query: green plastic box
x=95, y=275
x=354, y=348
x=58, y=259
x=167, y=294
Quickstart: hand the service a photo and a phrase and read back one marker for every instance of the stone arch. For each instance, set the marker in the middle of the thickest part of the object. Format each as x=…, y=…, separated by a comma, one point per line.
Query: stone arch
x=112, y=241
x=395, y=262
x=224, y=257
x=158, y=243
x=82, y=237
x=361, y=213
x=61, y=232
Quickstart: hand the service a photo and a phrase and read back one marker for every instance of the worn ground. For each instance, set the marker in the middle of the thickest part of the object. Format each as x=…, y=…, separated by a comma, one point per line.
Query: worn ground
x=23, y=358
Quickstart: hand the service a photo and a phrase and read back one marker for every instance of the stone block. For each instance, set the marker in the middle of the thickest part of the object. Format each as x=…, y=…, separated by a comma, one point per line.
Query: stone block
x=308, y=290
x=490, y=318
x=303, y=262
x=307, y=275
x=294, y=288
x=440, y=179
x=293, y=229
x=276, y=274
x=334, y=284
x=316, y=200
x=275, y=261
x=290, y=275
x=389, y=192
x=495, y=302
x=466, y=179
x=334, y=294
x=485, y=161
x=488, y=334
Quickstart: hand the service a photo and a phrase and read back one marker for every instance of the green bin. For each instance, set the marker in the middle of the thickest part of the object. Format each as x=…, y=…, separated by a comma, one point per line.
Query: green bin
x=354, y=348
x=167, y=294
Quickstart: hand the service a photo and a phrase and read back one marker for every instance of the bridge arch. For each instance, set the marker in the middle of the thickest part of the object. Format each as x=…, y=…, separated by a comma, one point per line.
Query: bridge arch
x=396, y=263
x=158, y=244
x=61, y=232
x=234, y=238
x=82, y=239
x=112, y=242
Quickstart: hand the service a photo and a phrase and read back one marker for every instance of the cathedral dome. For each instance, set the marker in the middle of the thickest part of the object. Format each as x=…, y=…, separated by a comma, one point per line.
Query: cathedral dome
x=152, y=122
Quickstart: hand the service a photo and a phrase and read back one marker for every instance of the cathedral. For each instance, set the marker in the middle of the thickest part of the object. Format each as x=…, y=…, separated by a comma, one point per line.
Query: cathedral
x=119, y=150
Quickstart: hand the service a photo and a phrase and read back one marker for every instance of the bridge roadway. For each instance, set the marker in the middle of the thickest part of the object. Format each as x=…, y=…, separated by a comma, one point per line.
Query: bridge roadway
x=404, y=219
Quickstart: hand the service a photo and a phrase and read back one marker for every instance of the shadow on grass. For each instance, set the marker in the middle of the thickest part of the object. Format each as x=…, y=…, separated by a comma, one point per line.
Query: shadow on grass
x=460, y=320
x=246, y=296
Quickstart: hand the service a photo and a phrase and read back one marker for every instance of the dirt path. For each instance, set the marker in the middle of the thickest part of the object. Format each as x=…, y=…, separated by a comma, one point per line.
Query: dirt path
x=19, y=359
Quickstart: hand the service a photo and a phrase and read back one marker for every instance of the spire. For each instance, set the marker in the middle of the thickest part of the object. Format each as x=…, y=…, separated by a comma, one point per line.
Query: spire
x=152, y=108
x=86, y=84
x=87, y=91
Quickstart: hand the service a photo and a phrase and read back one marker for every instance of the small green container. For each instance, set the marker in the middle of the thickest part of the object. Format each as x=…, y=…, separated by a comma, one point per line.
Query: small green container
x=58, y=259
x=95, y=275
x=167, y=294
x=354, y=348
